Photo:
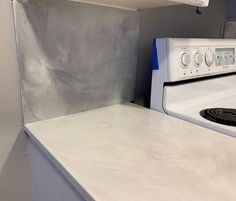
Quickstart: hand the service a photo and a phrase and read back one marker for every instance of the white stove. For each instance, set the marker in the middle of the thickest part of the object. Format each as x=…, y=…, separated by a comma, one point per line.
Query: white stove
x=194, y=80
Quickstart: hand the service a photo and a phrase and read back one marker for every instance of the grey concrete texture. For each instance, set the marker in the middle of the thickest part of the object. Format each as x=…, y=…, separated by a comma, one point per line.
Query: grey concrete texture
x=74, y=57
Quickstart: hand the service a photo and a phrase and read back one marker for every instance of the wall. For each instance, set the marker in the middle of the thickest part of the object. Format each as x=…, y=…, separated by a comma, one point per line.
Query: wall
x=74, y=56
x=230, y=24
x=231, y=14
x=15, y=181
x=174, y=21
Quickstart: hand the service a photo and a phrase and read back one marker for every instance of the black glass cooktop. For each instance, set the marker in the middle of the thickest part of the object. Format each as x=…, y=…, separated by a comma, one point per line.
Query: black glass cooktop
x=223, y=116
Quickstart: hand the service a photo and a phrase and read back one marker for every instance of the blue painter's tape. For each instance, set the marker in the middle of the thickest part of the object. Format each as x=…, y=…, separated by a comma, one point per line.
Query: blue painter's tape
x=155, y=63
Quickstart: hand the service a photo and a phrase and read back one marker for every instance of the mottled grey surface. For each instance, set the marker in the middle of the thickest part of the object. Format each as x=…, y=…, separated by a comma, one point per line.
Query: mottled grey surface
x=74, y=56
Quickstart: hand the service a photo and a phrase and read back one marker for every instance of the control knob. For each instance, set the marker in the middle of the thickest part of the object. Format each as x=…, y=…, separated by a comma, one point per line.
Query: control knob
x=185, y=59
x=210, y=57
x=198, y=58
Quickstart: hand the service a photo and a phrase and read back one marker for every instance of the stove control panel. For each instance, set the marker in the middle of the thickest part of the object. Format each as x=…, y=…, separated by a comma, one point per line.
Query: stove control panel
x=225, y=56
x=192, y=58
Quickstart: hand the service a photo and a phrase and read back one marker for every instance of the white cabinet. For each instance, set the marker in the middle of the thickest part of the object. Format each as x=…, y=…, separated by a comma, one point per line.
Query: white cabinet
x=202, y=3
x=143, y=4
x=50, y=180
x=130, y=4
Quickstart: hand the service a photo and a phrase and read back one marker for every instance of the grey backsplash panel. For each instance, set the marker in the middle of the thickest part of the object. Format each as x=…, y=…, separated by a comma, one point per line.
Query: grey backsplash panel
x=74, y=57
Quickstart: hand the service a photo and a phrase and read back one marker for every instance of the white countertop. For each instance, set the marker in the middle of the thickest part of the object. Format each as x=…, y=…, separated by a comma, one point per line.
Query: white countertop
x=128, y=153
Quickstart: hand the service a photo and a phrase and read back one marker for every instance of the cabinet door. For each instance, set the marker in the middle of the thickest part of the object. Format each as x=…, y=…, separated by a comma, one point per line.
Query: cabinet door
x=49, y=181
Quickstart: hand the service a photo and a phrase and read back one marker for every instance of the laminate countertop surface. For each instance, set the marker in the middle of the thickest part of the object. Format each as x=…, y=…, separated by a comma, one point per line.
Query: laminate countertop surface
x=128, y=153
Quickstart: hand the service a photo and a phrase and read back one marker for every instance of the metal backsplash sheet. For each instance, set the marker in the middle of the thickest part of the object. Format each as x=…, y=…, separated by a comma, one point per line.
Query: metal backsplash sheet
x=74, y=56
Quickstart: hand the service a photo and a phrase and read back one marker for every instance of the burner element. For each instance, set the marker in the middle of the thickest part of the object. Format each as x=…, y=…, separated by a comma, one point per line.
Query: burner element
x=220, y=115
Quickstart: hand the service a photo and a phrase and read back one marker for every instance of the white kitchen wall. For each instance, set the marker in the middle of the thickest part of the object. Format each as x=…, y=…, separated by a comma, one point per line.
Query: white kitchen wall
x=15, y=181
x=174, y=21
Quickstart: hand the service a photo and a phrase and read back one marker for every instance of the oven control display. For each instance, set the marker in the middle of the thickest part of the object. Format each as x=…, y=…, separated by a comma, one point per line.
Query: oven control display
x=225, y=56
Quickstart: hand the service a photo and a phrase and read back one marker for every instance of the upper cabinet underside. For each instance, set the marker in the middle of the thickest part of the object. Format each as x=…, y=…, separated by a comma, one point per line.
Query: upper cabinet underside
x=130, y=4
x=138, y=4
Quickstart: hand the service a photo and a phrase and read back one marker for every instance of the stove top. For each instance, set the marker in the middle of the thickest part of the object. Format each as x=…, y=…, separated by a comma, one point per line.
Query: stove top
x=223, y=116
x=210, y=103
